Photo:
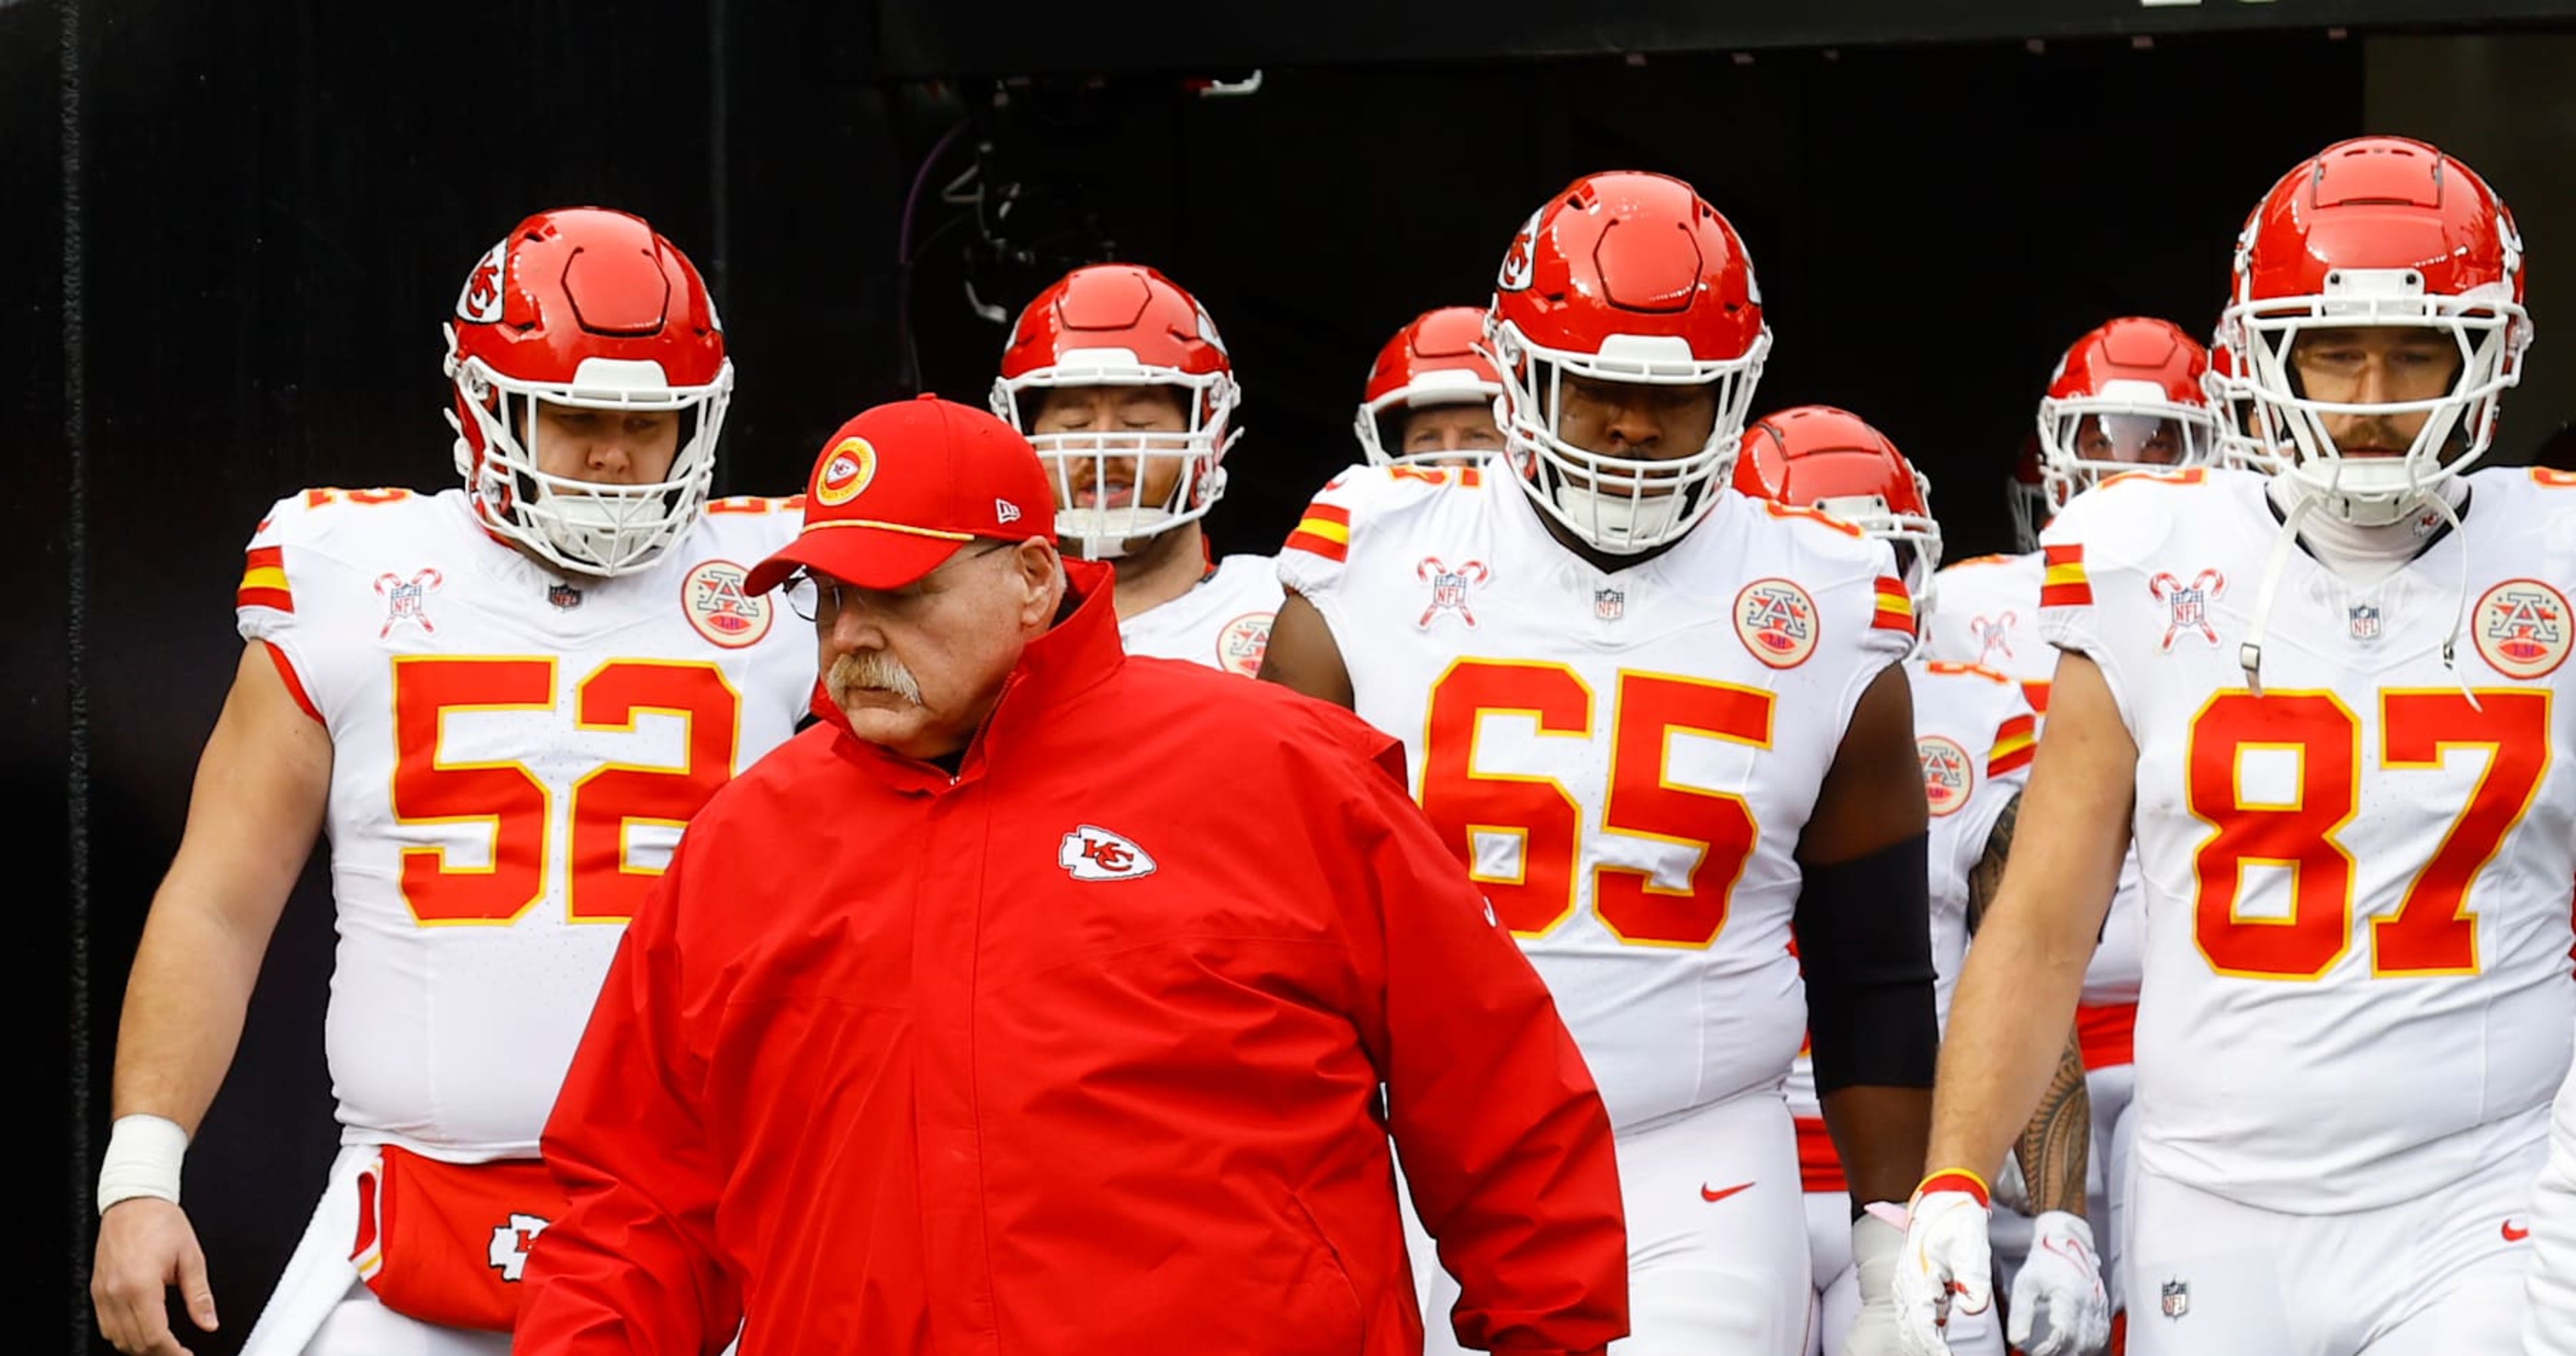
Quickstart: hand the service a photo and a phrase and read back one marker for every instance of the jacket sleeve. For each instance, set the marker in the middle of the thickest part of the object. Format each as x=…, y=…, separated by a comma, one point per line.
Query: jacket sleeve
x=631, y=1268
x=2549, y=1318
x=1503, y=1138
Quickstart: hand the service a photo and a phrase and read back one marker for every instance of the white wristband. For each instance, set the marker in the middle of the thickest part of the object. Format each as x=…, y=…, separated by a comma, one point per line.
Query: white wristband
x=143, y=1154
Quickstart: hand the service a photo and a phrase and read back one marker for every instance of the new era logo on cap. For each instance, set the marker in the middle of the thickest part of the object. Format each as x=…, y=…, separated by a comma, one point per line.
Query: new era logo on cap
x=898, y=489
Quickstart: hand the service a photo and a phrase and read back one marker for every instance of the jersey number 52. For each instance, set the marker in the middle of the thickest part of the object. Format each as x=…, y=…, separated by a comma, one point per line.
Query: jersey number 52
x=600, y=886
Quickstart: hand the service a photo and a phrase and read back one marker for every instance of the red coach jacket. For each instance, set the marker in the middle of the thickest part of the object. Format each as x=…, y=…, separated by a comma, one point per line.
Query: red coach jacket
x=1076, y=1052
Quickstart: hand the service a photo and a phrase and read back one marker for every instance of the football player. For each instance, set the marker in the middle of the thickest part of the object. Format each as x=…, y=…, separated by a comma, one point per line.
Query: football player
x=2330, y=711
x=2128, y=395
x=501, y=702
x=1430, y=394
x=1119, y=379
x=1975, y=735
x=1666, y=726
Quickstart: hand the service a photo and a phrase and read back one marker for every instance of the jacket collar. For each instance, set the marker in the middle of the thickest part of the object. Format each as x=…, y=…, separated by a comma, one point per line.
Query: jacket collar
x=1075, y=654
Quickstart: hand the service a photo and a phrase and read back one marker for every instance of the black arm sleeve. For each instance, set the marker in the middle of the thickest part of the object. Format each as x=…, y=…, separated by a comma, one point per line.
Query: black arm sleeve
x=1865, y=941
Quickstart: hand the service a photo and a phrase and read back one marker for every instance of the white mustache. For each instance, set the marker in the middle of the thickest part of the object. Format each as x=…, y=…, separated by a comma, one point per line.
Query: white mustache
x=874, y=669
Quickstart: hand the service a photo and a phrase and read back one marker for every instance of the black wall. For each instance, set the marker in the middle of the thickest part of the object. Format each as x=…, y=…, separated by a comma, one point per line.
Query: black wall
x=278, y=202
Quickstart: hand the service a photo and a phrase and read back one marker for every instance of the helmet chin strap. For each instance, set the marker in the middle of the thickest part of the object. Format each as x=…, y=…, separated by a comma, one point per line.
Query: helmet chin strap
x=2249, y=656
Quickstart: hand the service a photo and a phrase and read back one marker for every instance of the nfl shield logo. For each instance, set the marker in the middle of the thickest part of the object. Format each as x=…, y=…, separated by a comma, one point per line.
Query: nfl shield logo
x=564, y=597
x=2365, y=621
x=1609, y=604
x=2177, y=1298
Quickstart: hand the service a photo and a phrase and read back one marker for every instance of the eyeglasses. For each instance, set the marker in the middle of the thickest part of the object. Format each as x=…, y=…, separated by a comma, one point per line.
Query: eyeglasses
x=819, y=598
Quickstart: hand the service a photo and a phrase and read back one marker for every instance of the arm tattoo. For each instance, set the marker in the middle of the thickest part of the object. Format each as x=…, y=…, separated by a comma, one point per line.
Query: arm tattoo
x=1988, y=877
x=2055, y=1145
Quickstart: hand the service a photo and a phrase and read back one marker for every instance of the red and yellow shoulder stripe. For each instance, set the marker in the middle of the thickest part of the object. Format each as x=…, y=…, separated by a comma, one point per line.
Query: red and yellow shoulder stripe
x=1895, y=608
x=2065, y=585
x=1324, y=531
x=263, y=581
x=2015, y=741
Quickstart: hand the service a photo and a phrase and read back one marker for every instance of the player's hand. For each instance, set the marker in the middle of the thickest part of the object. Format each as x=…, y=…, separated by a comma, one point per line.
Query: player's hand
x=2064, y=1276
x=145, y=1246
x=1878, y=1236
x=1945, y=1267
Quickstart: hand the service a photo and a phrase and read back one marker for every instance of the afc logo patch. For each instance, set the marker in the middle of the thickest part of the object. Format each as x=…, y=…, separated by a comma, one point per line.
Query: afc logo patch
x=1776, y=620
x=1240, y=646
x=2187, y=605
x=720, y=609
x=1948, y=774
x=2520, y=627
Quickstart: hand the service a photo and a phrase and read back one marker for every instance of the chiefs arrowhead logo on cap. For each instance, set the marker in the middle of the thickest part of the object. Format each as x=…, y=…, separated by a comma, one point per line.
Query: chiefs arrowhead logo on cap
x=847, y=471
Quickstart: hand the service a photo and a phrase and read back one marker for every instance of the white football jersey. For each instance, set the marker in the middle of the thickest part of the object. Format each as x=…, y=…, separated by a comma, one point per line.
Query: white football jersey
x=1986, y=612
x=1975, y=734
x=1222, y=622
x=513, y=755
x=2357, y=883
x=1626, y=760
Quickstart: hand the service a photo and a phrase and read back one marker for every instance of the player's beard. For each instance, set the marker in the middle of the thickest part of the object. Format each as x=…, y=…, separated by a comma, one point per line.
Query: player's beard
x=870, y=669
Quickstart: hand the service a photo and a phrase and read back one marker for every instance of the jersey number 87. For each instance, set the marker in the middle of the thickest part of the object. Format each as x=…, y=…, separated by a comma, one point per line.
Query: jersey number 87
x=2432, y=932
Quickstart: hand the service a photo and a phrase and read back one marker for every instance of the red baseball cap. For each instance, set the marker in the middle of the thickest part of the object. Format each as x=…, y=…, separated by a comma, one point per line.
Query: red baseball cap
x=899, y=488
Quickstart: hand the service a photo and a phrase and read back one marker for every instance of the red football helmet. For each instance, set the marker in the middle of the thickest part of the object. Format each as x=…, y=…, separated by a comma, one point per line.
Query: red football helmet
x=2231, y=400
x=1624, y=277
x=590, y=308
x=2379, y=231
x=2128, y=394
x=1438, y=359
x=1123, y=325
x=1819, y=457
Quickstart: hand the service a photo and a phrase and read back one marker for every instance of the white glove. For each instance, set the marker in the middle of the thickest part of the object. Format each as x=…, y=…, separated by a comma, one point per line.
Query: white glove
x=1946, y=1265
x=2063, y=1275
x=1877, y=1238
